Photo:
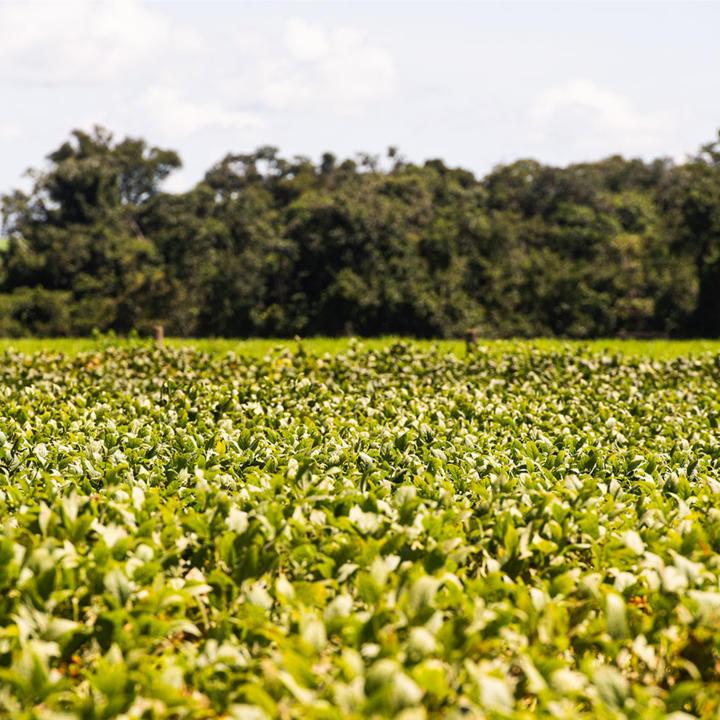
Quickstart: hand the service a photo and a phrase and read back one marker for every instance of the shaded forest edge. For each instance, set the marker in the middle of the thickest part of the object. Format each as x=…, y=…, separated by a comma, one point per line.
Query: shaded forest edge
x=269, y=246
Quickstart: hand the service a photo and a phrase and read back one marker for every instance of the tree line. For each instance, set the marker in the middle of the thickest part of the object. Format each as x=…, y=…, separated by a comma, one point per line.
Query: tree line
x=270, y=246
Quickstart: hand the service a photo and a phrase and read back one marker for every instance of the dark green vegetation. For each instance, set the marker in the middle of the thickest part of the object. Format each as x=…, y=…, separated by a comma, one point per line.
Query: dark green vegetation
x=395, y=532
x=273, y=247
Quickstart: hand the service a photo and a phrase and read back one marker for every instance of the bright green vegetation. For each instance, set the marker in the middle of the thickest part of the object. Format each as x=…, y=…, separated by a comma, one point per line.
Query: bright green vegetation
x=370, y=533
x=259, y=347
x=639, y=348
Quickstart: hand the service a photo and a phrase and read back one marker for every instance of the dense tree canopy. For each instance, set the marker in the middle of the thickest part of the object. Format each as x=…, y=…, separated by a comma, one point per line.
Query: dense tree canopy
x=266, y=245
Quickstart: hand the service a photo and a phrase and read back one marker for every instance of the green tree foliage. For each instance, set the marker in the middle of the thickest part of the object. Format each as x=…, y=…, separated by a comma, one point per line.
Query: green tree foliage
x=266, y=245
x=691, y=200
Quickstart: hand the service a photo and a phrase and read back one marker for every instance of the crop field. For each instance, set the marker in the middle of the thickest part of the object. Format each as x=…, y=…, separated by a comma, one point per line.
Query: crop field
x=389, y=530
x=260, y=347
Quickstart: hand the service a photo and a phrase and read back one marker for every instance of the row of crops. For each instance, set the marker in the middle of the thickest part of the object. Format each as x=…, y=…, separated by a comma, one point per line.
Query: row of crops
x=397, y=532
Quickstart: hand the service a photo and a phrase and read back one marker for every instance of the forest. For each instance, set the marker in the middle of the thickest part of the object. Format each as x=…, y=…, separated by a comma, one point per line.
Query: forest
x=266, y=245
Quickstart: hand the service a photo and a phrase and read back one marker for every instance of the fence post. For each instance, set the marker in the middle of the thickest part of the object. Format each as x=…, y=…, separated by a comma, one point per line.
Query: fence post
x=159, y=335
x=471, y=337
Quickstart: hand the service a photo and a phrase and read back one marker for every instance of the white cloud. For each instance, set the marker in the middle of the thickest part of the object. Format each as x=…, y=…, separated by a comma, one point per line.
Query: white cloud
x=177, y=182
x=83, y=41
x=306, y=41
x=10, y=131
x=339, y=68
x=177, y=116
x=143, y=61
x=609, y=108
x=587, y=117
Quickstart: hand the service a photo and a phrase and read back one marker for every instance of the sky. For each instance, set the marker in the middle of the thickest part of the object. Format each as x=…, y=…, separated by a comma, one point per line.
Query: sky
x=474, y=83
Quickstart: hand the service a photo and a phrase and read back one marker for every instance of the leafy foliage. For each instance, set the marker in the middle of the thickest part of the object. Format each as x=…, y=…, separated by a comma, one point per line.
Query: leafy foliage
x=376, y=533
x=269, y=246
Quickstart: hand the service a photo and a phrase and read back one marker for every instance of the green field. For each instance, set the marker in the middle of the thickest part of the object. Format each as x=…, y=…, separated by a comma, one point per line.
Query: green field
x=528, y=530
x=661, y=349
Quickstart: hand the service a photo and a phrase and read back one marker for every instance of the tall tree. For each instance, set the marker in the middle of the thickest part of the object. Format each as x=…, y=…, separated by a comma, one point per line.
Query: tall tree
x=79, y=229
